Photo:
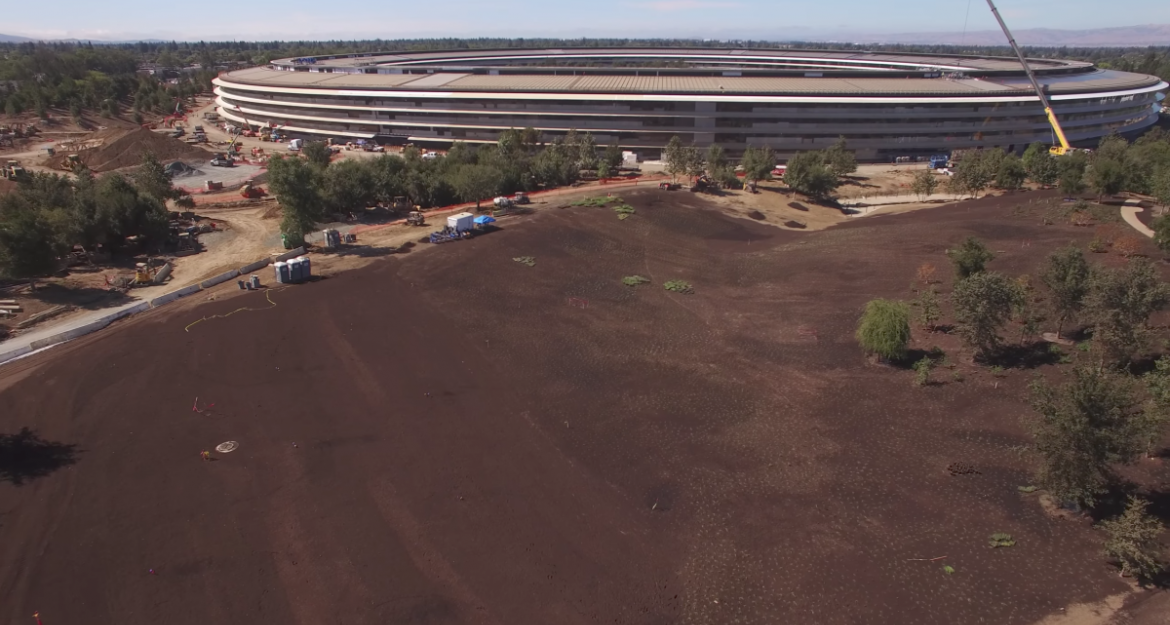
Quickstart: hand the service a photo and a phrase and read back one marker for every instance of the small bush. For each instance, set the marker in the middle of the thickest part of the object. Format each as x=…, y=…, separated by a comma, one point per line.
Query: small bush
x=1000, y=539
x=922, y=369
x=526, y=260
x=634, y=280
x=1085, y=346
x=948, y=569
x=1097, y=246
x=678, y=286
x=1026, y=489
x=957, y=376
x=998, y=371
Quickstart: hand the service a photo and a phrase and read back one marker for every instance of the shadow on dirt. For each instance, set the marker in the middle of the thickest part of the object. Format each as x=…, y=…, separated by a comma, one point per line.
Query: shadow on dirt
x=24, y=456
x=88, y=298
x=1028, y=356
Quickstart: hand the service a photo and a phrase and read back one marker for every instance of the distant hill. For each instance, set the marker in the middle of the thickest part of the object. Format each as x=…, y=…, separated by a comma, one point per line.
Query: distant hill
x=13, y=39
x=1128, y=36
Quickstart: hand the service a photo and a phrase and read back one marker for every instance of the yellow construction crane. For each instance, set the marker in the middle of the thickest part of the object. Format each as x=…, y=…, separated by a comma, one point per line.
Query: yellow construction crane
x=1058, y=150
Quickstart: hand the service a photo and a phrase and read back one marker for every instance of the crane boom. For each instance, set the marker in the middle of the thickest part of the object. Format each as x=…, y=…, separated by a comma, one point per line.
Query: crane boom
x=1064, y=146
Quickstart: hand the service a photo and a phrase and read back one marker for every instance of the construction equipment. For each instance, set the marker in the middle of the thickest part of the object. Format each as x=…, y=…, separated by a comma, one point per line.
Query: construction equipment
x=13, y=171
x=222, y=160
x=251, y=190
x=416, y=218
x=143, y=276
x=1058, y=150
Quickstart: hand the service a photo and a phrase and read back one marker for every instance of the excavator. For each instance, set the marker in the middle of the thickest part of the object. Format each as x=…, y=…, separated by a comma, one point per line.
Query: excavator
x=1056, y=150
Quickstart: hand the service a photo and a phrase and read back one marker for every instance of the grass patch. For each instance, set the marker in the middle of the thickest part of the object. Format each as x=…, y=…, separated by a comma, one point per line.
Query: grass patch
x=526, y=260
x=593, y=201
x=1026, y=489
x=623, y=210
x=948, y=569
x=678, y=286
x=999, y=539
x=634, y=280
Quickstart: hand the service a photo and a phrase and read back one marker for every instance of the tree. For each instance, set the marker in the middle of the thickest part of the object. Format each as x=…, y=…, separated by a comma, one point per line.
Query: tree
x=1119, y=304
x=26, y=239
x=758, y=163
x=1105, y=175
x=1041, y=165
x=296, y=185
x=969, y=258
x=475, y=182
x=152, y=179
x=1132, y=540
x=716, y=161
x=317, y=153
x=1160, y=185
x=675, y=157
x=612, y=156
x=1072, y=172
x=983, y=303
x=808, y=174
x=976, y=171
x=929, y=311
x=1157, y=412
x=924, y=184
x=693, y=161
x=1011, y=174
x=884, y=329
x=586, y=151
x=1162, y=233
x=841, y=160
x=1084, y=428
x=603, y=170
x=1066, y=275
x=349, y=184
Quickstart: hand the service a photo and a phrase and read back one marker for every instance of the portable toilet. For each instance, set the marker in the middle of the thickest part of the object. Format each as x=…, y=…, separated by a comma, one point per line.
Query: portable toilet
x=294, y=270
x=282, y=272
x=461, y=222
x=306, y=268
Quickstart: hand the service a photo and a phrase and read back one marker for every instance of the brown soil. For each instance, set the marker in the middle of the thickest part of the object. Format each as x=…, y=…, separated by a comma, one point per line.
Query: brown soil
x=453, y=437
x=120, y=149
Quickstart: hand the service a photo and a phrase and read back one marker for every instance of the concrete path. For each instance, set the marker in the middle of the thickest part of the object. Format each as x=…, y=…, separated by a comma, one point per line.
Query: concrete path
x=1129, y=214
x=25, y=340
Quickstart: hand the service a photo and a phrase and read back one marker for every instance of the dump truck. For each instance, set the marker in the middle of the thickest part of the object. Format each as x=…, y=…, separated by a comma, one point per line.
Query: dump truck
x=13, y=171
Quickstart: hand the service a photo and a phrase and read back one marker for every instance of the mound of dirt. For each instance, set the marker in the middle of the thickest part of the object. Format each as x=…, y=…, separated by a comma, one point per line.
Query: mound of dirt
x=798, y=206
x=126, y=150
x=757, y=215
x=795, y=224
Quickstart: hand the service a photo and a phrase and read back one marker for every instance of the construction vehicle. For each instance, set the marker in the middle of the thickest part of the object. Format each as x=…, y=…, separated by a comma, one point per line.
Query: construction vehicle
x=940, y=161
x=1064, y=147
x=13, y=171
x=521, y=198
x=416, y=218
x=221, y=160
x=251, y=190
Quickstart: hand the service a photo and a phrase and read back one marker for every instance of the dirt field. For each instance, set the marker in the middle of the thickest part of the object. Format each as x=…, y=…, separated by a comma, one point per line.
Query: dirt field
x=454, y=437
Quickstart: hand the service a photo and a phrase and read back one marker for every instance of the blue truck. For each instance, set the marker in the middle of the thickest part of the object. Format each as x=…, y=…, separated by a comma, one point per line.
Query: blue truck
x=940, y=161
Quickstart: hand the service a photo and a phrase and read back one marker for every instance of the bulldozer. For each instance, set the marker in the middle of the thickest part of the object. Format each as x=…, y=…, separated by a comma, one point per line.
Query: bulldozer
x=251, y=190
x=416, y=218
x=13, y=171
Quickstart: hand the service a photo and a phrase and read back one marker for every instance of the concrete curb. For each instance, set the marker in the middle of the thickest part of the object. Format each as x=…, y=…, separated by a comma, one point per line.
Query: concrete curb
x=300, y=251
x=16, y=353
x=221, y=278
x=92, y=326
x=260, y=264
x=167, y=298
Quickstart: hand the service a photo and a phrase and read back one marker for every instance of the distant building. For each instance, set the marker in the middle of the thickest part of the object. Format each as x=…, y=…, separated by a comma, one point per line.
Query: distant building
x=885, y=105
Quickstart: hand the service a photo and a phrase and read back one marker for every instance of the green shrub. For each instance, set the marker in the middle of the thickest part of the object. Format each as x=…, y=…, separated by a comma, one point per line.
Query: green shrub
x=634, y=280
x=884, y=328
x=526, y=260
x=1000, y=539
x=678, y=286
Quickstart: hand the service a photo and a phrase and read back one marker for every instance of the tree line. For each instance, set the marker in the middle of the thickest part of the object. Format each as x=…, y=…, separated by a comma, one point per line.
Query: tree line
x=310, y=186
x=48, y=214
x=1102, y=417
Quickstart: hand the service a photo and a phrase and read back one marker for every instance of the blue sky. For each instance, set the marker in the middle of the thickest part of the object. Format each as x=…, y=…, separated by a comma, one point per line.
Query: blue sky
x=716, y=19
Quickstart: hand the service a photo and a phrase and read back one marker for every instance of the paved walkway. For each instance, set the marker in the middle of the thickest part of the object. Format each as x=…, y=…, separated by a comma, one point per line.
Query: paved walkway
x=1129, y=214
x=25, y=340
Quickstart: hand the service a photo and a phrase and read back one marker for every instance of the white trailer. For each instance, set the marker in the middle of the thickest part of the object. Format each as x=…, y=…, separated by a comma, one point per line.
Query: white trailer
x=461, y=222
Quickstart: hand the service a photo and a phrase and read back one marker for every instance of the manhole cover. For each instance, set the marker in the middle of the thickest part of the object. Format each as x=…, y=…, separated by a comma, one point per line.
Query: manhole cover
x=227, y=448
